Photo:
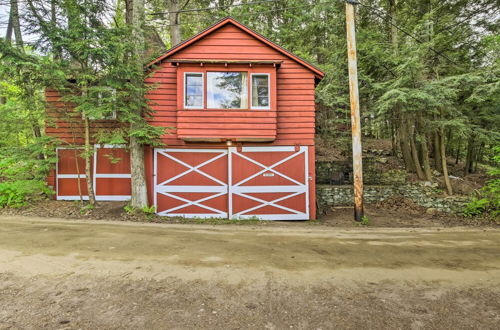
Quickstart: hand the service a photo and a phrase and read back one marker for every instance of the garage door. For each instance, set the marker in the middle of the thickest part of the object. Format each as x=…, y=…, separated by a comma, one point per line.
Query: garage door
x=191, y=182
x=70, y=174
x=110, y=173
x=268, y=183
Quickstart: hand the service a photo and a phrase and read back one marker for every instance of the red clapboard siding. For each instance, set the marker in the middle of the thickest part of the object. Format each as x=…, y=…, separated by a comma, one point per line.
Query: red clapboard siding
x=66, y=125
x=291, y=123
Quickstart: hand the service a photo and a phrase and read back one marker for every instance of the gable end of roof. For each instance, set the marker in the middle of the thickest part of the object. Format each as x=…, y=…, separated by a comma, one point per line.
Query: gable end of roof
x=229, y=20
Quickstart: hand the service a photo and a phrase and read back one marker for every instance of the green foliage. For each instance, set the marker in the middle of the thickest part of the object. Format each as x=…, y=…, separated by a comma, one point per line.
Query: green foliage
x=148, y=211
x=18, y=193
x=85, y=209
x=364, y=221
x=488, y=201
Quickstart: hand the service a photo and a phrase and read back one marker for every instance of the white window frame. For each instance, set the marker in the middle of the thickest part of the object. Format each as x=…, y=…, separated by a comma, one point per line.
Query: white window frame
x=268, y=89
x=112, y=115
x=202, y=91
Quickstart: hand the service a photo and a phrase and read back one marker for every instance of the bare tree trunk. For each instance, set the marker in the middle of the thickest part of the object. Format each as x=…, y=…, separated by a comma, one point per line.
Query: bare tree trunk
x=404, y=142
x=394, y=30
x=425, y=159
x=444, y=165
x=135, y=17
x=174, y=22
x=56, y=49
x=8, y=31
x=437, y=153
x=16, y=25
x=139, y=188
x=79, y=184
x=468, y=157
x=394, y=138
x=414, y=155
x=459, y=145
x=88, y=165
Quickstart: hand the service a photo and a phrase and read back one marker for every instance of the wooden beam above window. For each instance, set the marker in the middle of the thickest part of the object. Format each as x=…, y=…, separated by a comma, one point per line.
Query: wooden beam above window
x=225, y=62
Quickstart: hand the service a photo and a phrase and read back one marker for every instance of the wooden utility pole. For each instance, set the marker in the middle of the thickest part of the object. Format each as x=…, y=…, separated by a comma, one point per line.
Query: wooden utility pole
x=357, y=164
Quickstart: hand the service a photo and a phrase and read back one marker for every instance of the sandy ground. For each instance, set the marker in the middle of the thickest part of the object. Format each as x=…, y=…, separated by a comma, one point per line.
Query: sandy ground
x=60, y=274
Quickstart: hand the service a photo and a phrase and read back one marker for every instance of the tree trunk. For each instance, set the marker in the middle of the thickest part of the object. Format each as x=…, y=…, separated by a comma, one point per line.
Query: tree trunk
x=414, y=155
x=174, y=21
x=135, y=17
x=8, y=31
x=459, y=144
x=394, y=30
x=468, y=157
x=405, y=146
x=139, y=187
x=56, y=49
x=16, y=25
x=425, y=158
x=79, y=183
x=88, y=154
x=394, y=137
x=444, y=165
x=437, y=153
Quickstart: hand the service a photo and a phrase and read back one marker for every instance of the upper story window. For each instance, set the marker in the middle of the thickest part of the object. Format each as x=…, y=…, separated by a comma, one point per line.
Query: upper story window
x=106, y=101
x=226, y=90
x=193, y=91
x=260, y=91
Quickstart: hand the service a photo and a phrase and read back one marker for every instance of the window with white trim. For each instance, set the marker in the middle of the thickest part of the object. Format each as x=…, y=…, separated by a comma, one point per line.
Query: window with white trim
x=260, y=91
x=193, y=90
x=227, y=90
x=106, y=100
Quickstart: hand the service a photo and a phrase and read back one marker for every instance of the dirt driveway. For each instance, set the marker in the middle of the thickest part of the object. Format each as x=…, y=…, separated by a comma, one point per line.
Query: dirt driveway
x=58, y=274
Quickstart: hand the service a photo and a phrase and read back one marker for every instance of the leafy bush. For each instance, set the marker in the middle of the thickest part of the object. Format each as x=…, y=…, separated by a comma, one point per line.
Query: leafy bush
x=18, y=193
x=476, y=206
x=24, y=163
x=488, y=201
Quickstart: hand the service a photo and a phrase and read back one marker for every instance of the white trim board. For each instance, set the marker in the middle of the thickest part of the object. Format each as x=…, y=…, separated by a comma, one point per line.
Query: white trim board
x=231, y=188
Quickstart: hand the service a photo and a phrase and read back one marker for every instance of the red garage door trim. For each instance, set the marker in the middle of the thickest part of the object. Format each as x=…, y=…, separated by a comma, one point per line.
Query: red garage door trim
x=123, y=179
x=267, y=193
x=68, y=180
x=281, y=192
x=210, y=191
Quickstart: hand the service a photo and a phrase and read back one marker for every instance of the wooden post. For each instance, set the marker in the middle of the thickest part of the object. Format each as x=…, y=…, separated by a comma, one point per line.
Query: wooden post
x=355, y=116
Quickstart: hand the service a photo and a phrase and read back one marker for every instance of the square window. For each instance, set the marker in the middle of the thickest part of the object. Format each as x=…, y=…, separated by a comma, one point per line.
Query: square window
x=227, y=90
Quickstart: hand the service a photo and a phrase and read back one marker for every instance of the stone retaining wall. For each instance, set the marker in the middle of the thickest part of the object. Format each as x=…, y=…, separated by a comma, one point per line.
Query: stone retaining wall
x=429, y=197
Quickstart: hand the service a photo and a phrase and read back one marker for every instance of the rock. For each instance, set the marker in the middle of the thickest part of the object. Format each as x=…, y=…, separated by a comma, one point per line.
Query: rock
x=429, y=184
x=431, y=211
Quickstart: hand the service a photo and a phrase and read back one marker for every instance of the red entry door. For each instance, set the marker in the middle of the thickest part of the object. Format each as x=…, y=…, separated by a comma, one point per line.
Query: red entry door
x=269, y=183
x=191, y=182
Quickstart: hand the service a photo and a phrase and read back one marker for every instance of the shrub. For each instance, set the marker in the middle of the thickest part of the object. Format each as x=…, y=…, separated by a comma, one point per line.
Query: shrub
x=488, y=201
x=18, y=193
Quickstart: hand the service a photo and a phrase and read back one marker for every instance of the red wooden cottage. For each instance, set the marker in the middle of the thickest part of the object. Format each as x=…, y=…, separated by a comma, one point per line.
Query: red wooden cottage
x=242, y=114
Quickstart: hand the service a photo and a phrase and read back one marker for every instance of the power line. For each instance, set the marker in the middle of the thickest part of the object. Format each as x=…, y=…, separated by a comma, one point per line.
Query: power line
x=212, y=8
x=408, y=33
x=258, y=13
